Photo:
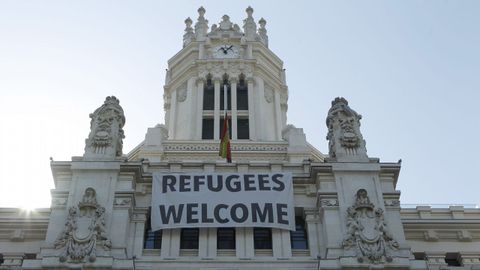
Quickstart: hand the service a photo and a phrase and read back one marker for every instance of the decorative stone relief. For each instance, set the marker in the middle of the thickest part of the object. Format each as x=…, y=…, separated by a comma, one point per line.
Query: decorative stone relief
x=106, y=134
x=345, y=140
x=392, y=203
x=329, y=202
x=84, y=231
x=182, y=93
x=217, y=70
x=367, y=231
x=249, y=25
x=268, y=93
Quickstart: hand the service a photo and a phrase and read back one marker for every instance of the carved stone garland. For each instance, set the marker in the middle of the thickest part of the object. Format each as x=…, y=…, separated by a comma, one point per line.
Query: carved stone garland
x=367, y=231
x=84, y=230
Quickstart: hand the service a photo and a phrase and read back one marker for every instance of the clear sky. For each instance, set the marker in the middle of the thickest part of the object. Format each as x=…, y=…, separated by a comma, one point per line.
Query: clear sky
x=411, y=68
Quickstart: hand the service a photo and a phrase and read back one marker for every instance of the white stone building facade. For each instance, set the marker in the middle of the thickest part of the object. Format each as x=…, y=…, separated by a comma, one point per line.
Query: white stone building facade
x=347, y=208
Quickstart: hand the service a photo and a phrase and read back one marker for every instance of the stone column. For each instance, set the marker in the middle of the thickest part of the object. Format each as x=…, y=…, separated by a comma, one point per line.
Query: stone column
x=282, y=248
x=278, y=116
x=173, y=116
x=312, y=220
x=139, y=223
x=170, y=244
x=233, y=83
x=216, y=114
x=251, y=109
x=199, y=116
x=207, y=243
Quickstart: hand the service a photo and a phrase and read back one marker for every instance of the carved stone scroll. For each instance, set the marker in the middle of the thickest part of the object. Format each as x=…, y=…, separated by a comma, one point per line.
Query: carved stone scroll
x=84, y=231
x=367, y=231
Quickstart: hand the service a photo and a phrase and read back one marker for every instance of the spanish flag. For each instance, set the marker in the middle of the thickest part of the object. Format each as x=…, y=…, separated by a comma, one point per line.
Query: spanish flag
x=225, y=151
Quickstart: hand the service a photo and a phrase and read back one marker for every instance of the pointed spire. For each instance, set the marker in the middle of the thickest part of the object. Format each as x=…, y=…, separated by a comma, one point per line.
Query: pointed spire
x=249, y=25
x=189, y=36
x=262, y=31
x=201, y=27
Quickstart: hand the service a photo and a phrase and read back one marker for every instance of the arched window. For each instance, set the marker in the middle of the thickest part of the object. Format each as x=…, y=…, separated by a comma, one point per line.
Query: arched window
x=299, y=238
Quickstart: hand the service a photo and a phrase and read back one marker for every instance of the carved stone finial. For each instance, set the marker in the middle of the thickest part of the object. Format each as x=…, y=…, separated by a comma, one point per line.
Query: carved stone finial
x=84, y=230
x=367, y=232
x=249, y=25
x=105, y=140
x=201, y=27
x=345, y=139
x=249, y=11
x=189, y=36
x=226, y=24
x=262, y=31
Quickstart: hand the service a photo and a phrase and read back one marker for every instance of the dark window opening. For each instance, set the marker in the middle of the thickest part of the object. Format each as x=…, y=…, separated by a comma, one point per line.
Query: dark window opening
x=229, y=126
x=453, y=259
x=242, y=95
x=207, y=129
x=243, y=130
x=298, y=238
x=1, y=259
x=30, y=256
x=262, y=238
x=419, y=256
x=189, y=238
x=208, y=95
x=151, y=239
x=226, y=238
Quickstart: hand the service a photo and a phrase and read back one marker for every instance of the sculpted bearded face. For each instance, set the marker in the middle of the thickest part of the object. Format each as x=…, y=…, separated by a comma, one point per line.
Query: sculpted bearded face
x=349, y=137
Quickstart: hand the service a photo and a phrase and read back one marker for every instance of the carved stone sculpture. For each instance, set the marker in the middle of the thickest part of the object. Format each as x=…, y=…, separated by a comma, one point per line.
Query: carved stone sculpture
x=345, y=139
x=84, y=231
x=105, y=140
x=367, y=231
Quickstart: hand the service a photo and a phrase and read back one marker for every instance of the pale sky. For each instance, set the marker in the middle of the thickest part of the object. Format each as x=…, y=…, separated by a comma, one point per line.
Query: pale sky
x=411, y=68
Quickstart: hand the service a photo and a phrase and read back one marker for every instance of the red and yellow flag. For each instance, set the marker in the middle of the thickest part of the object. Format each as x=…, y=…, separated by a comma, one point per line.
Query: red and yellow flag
x=225, y=151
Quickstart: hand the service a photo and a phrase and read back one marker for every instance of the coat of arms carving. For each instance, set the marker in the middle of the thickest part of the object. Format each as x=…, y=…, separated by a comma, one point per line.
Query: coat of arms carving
x=84, y=230
x=367, y=231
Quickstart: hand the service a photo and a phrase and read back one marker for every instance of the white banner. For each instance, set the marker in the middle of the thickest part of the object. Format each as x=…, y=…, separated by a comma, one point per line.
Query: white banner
x=222, y=200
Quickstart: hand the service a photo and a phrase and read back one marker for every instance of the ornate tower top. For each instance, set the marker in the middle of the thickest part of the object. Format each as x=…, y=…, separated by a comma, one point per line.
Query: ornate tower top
x=346, y=143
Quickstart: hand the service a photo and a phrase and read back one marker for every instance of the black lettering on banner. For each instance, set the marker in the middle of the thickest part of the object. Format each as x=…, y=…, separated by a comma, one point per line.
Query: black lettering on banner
x=233, y=212
x=165, y=217
x=249, y=181
x=197, y=181
x=168, y=181
x=258, y=215
x=235, y=186
x=191, y=212
x=184, y=184
x=262, y=180
x=275, y=179
x=282, y=213
x=216, y=213
x=210, y=183
x=205, y=218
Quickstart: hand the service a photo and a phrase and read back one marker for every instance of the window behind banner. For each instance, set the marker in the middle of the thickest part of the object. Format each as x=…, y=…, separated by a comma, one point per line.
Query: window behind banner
x=189, y=238
x=299, y=238
x=262, y=238
x=226, y=238
x=151, y=239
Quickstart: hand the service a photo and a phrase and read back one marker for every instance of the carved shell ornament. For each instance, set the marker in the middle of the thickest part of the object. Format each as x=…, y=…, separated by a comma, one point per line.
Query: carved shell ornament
x=84, y=231
x=367, y=231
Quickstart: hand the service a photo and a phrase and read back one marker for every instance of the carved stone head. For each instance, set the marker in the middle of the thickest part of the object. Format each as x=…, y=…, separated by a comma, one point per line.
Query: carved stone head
x=105, y=140
x=345, y=139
